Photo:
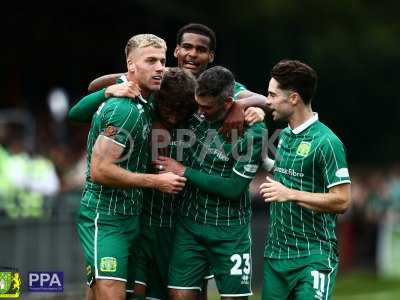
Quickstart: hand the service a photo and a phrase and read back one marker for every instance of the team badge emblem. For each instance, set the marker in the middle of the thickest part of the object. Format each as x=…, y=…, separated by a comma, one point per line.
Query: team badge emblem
x=303, y=149
x=10, y=283
x=108, y=264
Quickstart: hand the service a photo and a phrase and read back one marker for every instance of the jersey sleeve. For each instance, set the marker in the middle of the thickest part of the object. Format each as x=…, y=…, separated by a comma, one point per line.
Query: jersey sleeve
x=248, y=151
x=230, y=188
x=332, y=159
x=120, y=121
x=84, y=110
x=238, y=88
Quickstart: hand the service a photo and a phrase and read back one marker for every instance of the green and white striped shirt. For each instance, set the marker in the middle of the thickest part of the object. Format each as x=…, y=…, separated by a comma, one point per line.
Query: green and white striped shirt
x=159, y=209
x=128, y=123
x=212, y=155
x=309, y=158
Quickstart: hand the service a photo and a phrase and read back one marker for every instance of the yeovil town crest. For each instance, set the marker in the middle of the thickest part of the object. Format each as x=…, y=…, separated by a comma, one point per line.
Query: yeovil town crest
x=303, y=149
x=10, y=283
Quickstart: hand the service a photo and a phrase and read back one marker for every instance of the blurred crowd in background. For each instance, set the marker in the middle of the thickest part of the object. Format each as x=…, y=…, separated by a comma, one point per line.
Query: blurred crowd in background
x=42, y=172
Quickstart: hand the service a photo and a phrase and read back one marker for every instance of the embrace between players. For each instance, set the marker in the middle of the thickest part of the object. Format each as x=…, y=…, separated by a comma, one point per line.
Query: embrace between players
x=171, y=154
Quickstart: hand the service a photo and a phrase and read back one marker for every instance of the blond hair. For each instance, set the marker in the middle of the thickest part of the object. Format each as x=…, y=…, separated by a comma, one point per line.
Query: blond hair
x=143, y=41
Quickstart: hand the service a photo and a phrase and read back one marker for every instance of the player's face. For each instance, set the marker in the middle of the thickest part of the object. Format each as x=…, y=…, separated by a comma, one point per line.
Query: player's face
x=170, y=117
x=278, y=102
x=211, y=109
x=147, y=65
x=194, y=54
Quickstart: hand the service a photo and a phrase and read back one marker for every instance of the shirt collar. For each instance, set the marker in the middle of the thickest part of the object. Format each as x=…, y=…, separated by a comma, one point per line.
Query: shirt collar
x=305, y=125
x=125, y=79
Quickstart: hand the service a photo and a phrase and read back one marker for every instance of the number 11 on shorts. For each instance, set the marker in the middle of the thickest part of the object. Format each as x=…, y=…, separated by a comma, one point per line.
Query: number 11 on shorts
x=319, y=283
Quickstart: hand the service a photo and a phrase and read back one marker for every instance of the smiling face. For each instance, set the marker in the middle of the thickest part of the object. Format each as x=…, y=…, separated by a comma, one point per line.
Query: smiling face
x=278, y=101
x=193, y=53
x=146, y=66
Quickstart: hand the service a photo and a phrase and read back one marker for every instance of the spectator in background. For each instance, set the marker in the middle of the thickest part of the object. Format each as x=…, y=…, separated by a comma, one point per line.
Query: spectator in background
x=26, y=179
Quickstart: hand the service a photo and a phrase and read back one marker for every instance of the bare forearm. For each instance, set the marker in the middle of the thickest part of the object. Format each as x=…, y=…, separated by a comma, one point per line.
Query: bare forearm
x=254, y=100
x=321, y=202
x=115, y=176
x=103, y=82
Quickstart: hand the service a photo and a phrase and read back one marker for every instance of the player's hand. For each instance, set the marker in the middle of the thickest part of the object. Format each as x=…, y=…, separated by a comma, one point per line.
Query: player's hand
x=170, y=183
x=125, y=89
x=234, y=121
x=167, y=164
x=253, y=115
x=272, y=190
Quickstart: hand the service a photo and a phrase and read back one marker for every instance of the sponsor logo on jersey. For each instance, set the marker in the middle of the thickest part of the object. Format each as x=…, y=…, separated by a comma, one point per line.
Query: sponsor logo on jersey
x=343, y=172
x=303, y=149
x=108, y=264
x=251, y=168
x=10, y=283
x=289, y=172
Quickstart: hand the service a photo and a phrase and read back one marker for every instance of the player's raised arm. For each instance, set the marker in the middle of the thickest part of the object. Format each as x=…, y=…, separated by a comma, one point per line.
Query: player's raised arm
x=88, y=105
x=103, y=81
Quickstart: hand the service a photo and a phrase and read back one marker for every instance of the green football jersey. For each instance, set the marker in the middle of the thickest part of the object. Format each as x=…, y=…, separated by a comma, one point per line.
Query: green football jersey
x=309, y=158
x=159, y=209
x=128, y=124
x=238, y=88
x=212, y=155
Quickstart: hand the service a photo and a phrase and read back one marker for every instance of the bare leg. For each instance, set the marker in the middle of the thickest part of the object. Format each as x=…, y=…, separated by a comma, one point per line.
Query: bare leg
x=175, y=294
x=106, y=289
x=140, y=291
x=90, y=294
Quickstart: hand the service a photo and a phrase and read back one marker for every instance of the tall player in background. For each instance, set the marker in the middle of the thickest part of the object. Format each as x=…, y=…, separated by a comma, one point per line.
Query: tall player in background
x=194, y=50
x=118, y=157
x=310, y=186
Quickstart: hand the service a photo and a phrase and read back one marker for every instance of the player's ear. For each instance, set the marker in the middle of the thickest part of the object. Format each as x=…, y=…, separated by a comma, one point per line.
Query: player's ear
x=131, y=65
x=176, y=51
x=294, y=98
x=211, y=57
x=228, y=103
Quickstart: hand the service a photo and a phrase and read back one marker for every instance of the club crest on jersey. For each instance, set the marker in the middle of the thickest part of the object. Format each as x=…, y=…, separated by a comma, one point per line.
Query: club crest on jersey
x=303, y=149
x=108, y=264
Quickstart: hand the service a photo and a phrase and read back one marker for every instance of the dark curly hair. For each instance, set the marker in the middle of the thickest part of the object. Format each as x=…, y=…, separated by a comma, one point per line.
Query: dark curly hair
x=176, y=94
x=296, y=76
x=217, y=82
x=198, y=29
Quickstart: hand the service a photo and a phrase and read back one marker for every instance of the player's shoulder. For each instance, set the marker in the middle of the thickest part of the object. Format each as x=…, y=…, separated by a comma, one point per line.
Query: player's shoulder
x=326, y=136
x=123, y=107
x=238, y=88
